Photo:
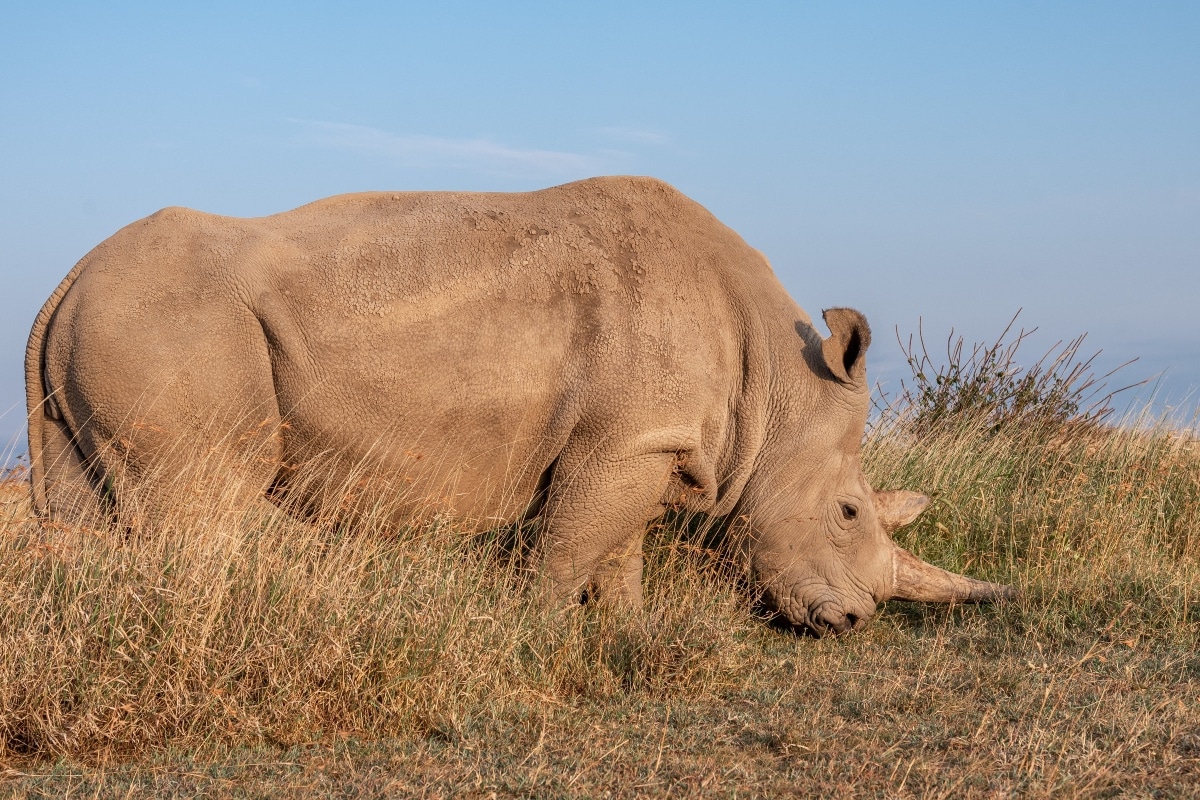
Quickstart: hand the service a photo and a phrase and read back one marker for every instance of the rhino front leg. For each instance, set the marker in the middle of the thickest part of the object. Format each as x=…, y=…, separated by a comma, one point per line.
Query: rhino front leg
x=618, y=576
x=595, y=521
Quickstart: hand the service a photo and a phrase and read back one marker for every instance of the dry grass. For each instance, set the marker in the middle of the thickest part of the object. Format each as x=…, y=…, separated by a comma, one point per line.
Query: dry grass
x=255, y=656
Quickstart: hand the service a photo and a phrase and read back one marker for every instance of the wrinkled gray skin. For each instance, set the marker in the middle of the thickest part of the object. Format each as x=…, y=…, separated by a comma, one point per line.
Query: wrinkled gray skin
x=594, y=353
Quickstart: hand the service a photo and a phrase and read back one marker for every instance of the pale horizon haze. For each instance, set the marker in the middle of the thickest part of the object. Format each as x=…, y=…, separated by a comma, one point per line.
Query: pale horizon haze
x=942, y=162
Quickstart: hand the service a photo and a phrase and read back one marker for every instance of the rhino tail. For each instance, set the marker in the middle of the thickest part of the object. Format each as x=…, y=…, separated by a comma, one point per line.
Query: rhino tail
x=42, y=410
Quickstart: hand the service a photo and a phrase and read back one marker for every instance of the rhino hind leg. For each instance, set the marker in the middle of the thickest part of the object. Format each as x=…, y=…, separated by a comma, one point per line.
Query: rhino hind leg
x=186, y=430
x=219, y=468
x=73, y=493
x=154, y=465
x=595, y=520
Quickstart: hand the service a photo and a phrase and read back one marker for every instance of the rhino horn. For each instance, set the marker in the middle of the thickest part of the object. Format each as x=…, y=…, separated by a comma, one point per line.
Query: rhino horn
x=913, y=579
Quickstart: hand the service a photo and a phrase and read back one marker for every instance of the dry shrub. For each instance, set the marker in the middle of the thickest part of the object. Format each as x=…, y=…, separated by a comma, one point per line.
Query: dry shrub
x=989, y=386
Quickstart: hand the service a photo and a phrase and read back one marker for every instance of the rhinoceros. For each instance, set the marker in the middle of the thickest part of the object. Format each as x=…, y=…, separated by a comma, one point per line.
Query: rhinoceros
x=591, y=354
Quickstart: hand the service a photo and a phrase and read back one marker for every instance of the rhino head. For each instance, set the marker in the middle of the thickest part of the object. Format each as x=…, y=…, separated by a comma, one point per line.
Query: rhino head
x=820, y=543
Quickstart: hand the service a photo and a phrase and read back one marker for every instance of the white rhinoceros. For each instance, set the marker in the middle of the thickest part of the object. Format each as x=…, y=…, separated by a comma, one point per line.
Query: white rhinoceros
x=594, y=353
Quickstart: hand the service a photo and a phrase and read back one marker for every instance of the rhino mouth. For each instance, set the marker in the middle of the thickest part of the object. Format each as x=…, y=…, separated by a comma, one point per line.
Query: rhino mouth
x=816, y=629
x=820, y=618
x=830, y=618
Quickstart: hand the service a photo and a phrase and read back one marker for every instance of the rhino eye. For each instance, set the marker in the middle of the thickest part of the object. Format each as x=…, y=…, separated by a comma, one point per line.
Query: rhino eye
x=849, y=511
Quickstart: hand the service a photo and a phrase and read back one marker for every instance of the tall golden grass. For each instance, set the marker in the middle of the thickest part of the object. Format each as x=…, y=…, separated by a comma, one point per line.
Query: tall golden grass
x=206, y=625
x=210, y=629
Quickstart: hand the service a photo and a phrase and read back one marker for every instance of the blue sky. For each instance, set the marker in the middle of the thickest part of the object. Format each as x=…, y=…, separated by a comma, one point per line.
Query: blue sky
x=950, y=162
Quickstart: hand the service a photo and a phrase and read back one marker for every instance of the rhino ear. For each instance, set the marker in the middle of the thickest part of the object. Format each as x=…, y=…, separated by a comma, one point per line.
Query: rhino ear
x=897, y=509
x=845, y=350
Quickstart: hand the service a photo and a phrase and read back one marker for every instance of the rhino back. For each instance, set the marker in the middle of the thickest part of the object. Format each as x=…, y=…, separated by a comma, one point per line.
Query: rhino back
x=463, y=337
